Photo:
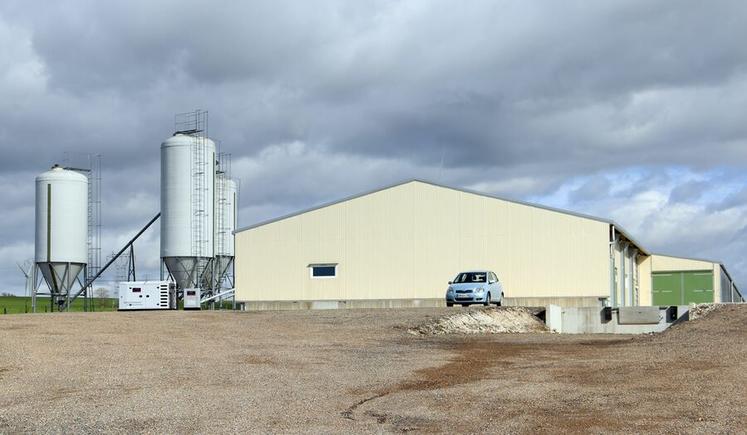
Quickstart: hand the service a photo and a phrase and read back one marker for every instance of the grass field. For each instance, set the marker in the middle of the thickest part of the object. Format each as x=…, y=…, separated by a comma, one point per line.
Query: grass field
x=21, y=304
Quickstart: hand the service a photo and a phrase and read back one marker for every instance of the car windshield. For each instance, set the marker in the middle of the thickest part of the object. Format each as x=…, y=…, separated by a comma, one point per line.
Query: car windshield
x=468, y=277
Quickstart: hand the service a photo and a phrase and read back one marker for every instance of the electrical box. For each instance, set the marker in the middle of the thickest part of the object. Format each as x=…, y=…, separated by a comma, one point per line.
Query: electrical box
x=191, y=299
x=147, y=295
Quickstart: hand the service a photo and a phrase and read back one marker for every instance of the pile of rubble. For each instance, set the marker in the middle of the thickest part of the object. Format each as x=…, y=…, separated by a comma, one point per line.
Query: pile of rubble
x=697, y=311
x=483, y=321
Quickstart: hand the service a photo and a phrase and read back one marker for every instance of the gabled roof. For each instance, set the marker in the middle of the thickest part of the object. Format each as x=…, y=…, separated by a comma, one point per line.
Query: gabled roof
x=618, y=228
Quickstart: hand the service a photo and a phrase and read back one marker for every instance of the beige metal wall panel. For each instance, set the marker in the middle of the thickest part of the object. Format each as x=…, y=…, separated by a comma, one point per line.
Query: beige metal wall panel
x=644, y=276
x=666, y=263
x=408, y=241
x=619, y=258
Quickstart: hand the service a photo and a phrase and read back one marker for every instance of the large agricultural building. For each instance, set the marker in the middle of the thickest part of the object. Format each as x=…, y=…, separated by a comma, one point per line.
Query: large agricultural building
x=400, y=245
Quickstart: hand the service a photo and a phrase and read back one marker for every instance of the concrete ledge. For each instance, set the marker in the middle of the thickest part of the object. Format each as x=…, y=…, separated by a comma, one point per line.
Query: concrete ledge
x=639, y=315
x=561, y=301
x=584, y=301
x=341, y=304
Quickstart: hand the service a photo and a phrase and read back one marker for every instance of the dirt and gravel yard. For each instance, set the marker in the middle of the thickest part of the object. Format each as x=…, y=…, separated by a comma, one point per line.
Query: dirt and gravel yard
x=362, y=371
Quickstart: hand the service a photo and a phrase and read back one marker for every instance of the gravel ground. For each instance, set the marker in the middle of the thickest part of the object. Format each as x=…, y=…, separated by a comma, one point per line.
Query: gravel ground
x=361, y=371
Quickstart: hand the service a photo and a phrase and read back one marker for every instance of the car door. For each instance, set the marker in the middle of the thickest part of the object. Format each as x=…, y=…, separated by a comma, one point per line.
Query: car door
x=497, y=287
x=493, y=285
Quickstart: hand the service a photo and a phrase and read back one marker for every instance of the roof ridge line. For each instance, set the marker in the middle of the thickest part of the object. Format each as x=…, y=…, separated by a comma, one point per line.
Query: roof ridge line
x=443, y=186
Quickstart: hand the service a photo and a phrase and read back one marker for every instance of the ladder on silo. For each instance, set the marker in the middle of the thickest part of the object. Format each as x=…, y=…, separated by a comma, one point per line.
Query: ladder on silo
x=199, y=206
x=94, y=215
x=220, y=194
x=220, y=188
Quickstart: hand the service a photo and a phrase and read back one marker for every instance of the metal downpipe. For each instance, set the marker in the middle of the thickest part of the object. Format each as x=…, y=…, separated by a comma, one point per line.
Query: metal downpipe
x=613, y=242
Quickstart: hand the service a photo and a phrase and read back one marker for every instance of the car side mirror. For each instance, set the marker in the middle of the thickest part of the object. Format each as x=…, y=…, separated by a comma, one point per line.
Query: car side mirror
x=450, y=283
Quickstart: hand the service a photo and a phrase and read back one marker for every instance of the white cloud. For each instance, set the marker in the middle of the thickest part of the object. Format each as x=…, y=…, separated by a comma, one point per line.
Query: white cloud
x=22, y=71
x=612, y=110
x=697, y=227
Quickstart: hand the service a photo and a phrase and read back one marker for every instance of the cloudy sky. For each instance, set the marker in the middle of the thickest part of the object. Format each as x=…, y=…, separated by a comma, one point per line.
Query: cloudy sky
x=632, y=110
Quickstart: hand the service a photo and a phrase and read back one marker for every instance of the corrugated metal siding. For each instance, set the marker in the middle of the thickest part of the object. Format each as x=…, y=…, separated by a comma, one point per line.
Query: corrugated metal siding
x=410, y=240
x=726, y=287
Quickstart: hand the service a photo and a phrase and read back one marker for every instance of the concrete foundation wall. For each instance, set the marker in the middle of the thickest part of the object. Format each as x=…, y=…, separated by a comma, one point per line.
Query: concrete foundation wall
x=334, y=305
x=408, y=303
x=587, y=320
x=569, y=301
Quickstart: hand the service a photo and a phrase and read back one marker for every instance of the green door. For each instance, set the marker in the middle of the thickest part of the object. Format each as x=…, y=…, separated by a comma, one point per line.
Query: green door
x=682, y=288
x=667, y=288
x=698, y=287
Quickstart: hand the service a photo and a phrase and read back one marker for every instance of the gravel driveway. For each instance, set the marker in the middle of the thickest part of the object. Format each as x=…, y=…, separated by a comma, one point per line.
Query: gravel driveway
x=361, y=371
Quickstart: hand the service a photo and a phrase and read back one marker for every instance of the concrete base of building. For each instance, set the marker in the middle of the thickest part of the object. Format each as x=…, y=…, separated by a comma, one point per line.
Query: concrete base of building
x=342, y=304
x=409, y=303
x=562, y=301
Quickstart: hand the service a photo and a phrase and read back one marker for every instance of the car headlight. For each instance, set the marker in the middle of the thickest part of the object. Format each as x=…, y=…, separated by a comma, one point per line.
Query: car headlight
x=450, y=290
x=479, y=290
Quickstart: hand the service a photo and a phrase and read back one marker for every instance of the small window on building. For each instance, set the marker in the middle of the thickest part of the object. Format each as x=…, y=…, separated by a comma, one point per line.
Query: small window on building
x=323, y=270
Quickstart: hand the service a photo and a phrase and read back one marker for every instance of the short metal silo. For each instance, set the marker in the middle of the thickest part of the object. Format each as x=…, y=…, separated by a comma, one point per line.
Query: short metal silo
x=226, y=214
x=61, y=242
x=187, y=208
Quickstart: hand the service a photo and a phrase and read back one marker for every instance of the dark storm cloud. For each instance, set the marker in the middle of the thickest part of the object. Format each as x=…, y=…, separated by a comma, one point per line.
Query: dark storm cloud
x=489, y=82
x=595, y=189
x=318, y=100
x=735, y=200
x=690, y=191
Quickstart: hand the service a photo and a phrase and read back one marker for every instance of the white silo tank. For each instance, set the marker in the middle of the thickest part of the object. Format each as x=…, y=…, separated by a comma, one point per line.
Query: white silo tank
x=226, y=212
x=187, y=207
x=61, y=242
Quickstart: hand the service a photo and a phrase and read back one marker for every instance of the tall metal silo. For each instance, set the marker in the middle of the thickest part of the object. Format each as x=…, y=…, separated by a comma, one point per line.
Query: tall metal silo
x=187, y=207
x=61, y=242
x=226, y=214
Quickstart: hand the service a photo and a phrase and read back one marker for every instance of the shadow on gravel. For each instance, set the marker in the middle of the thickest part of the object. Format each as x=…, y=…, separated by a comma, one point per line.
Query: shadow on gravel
x=472, y=362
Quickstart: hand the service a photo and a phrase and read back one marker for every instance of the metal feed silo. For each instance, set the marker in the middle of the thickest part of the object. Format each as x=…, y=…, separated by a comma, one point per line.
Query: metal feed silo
x=61, y=242
x=226, y=210
x=187, y=207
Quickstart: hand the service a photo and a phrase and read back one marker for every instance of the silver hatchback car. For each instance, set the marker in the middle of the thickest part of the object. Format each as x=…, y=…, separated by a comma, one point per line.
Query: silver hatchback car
x=475, y=287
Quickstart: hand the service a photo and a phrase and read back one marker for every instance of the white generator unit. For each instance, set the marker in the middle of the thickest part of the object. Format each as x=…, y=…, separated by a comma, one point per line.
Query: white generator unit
x=147, y=295
x=192, y=299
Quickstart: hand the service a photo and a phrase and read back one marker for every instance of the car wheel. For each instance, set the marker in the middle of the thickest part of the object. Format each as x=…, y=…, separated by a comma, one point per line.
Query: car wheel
x=487, y=300
x=449, y=304
x=500, y=302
